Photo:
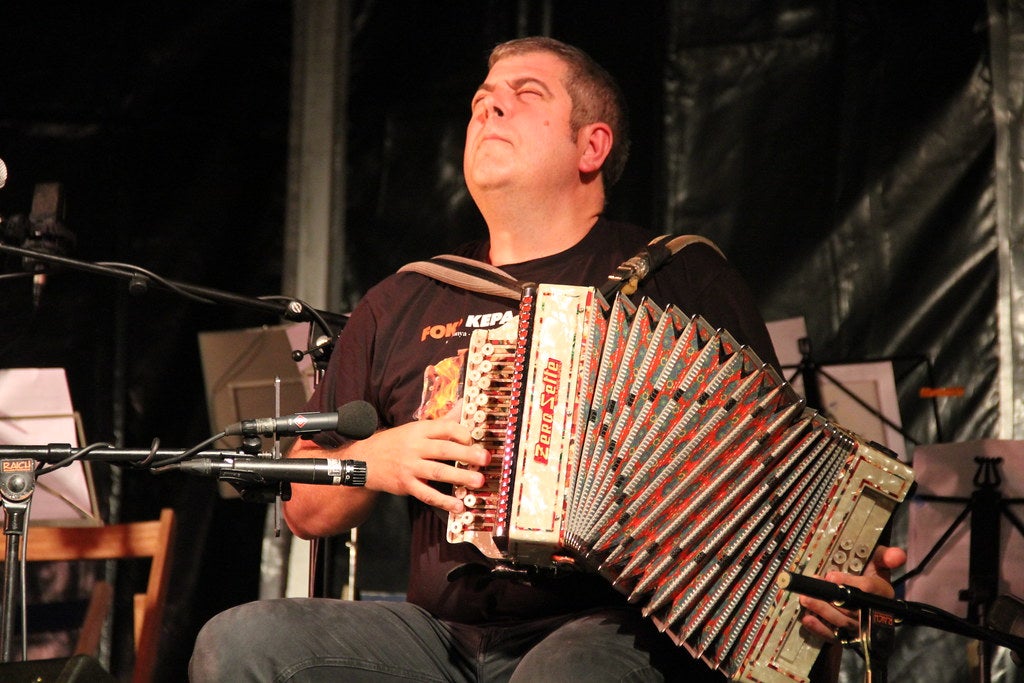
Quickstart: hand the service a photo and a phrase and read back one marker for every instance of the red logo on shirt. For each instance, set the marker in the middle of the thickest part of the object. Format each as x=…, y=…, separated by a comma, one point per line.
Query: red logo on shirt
x=443, y=331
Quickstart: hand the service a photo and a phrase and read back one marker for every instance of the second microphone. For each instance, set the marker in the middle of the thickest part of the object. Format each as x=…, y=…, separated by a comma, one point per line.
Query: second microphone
x=355, y=420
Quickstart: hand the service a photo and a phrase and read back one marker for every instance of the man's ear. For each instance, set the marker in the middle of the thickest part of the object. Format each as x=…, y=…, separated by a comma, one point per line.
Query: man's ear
x=595, y=141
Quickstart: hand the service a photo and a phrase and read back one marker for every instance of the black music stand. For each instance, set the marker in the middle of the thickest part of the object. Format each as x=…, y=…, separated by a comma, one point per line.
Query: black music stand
x=814, y=375
x=968, y=476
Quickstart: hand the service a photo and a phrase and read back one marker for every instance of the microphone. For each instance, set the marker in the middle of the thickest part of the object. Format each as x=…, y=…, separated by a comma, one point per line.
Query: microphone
x=12, y=230
x=651, y=257
x=1007, y=615
x=1005, y=621
x=816, y=588
x=635, y=268
x=46, y=233
x=355, y=420
x=330, y=471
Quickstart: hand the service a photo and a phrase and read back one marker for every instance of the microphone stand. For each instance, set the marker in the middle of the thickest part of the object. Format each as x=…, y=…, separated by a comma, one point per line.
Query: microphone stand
x=877, y=609
x=322, y=550
x=17, y=484
x=140, y=280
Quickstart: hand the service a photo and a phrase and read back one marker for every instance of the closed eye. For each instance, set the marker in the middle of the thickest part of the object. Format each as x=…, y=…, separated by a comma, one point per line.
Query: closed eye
x=530, y=86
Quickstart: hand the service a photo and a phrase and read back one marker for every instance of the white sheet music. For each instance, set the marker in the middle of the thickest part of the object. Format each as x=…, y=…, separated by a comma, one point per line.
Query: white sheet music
x=36, y=410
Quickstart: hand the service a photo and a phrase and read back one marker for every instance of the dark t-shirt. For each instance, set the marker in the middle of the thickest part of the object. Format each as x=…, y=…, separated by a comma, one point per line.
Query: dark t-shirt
x=397, y=353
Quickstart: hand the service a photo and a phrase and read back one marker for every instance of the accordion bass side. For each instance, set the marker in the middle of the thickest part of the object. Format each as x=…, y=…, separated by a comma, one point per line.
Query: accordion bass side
x=647, y=446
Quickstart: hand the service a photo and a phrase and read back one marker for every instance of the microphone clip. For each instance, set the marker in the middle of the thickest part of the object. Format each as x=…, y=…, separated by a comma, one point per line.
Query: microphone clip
x=252, y=488
x=319, y=352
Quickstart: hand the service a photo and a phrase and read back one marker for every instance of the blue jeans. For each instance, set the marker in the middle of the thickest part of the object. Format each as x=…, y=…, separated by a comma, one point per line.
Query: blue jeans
x=298, y=640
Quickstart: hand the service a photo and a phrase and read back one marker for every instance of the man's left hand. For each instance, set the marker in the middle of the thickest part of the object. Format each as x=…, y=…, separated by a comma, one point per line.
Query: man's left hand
x=825, y=619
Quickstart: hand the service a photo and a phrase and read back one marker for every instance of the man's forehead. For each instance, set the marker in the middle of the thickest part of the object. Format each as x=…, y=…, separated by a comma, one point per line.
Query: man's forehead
x=541, y=66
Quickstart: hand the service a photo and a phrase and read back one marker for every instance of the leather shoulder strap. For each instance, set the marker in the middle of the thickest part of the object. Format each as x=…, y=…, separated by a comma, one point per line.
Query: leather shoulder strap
x=470, y=274
x=478, y=276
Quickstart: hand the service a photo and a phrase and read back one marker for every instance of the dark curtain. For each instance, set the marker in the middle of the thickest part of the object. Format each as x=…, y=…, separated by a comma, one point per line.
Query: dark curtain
x=842, y=155
x=167, y=126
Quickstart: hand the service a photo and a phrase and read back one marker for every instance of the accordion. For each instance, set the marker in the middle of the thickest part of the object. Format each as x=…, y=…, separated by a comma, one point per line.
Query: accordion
x=647, y=446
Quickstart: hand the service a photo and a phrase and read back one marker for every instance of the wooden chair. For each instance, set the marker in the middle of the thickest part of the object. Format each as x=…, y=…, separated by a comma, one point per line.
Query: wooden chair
x=112, y=542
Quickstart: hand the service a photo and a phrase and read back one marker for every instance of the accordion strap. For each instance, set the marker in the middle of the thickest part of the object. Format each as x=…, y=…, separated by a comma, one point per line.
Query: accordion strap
x=467, y=273
x=482, y=277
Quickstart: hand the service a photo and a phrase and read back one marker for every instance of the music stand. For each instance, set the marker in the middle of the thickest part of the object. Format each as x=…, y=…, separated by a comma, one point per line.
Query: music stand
x=35, y=407
x=861, y=396
x=960, y=554
x=240, y=370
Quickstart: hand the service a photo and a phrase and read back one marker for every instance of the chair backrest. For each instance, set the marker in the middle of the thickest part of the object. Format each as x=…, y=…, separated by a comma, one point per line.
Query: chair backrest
x=112, y=542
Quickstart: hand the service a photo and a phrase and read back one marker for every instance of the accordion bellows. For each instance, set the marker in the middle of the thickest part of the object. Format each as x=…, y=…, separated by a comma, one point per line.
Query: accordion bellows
x=647, y=446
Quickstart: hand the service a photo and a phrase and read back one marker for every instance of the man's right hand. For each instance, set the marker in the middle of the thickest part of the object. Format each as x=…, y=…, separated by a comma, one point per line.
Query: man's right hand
x=402, y=461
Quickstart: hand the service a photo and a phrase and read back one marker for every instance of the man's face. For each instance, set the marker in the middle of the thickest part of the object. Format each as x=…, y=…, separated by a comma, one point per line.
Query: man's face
x=519, y=133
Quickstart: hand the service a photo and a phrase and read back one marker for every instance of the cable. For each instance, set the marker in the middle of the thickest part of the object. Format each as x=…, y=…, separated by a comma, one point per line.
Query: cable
x=153, y=448
x=187, y=454
x=164, y=281
x=67, y=461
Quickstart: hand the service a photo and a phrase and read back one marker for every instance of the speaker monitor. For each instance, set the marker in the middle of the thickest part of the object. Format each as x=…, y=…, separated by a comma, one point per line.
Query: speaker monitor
x=77, y=669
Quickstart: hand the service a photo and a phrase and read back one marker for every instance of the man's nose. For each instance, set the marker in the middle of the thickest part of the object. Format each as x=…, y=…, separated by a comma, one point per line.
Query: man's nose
x=494, y=109
x=493, y=106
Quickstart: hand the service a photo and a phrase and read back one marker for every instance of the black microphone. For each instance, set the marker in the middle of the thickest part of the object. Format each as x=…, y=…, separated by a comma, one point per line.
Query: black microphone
x=836, y=593
x=1005, y=623
x=636, y=267
x=331, y=471
x=46, y=233
x=1007, y=615
x=815, y=588
x=355, y=420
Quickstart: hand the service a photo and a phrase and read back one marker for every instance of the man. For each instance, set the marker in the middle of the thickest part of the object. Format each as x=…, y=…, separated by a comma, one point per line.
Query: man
x=547, y=133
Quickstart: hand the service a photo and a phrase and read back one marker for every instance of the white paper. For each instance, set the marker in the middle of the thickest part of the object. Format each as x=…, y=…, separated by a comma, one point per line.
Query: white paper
x=36, y=410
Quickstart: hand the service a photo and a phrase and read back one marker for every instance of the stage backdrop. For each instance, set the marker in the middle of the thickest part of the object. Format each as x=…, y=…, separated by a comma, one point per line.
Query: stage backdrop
x=857, y=161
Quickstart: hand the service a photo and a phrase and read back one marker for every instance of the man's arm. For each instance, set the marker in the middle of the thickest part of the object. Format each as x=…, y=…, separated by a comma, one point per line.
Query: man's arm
x=401, y=460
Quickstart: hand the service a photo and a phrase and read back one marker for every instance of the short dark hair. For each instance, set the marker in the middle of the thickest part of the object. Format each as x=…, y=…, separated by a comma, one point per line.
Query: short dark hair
x=595, y=95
